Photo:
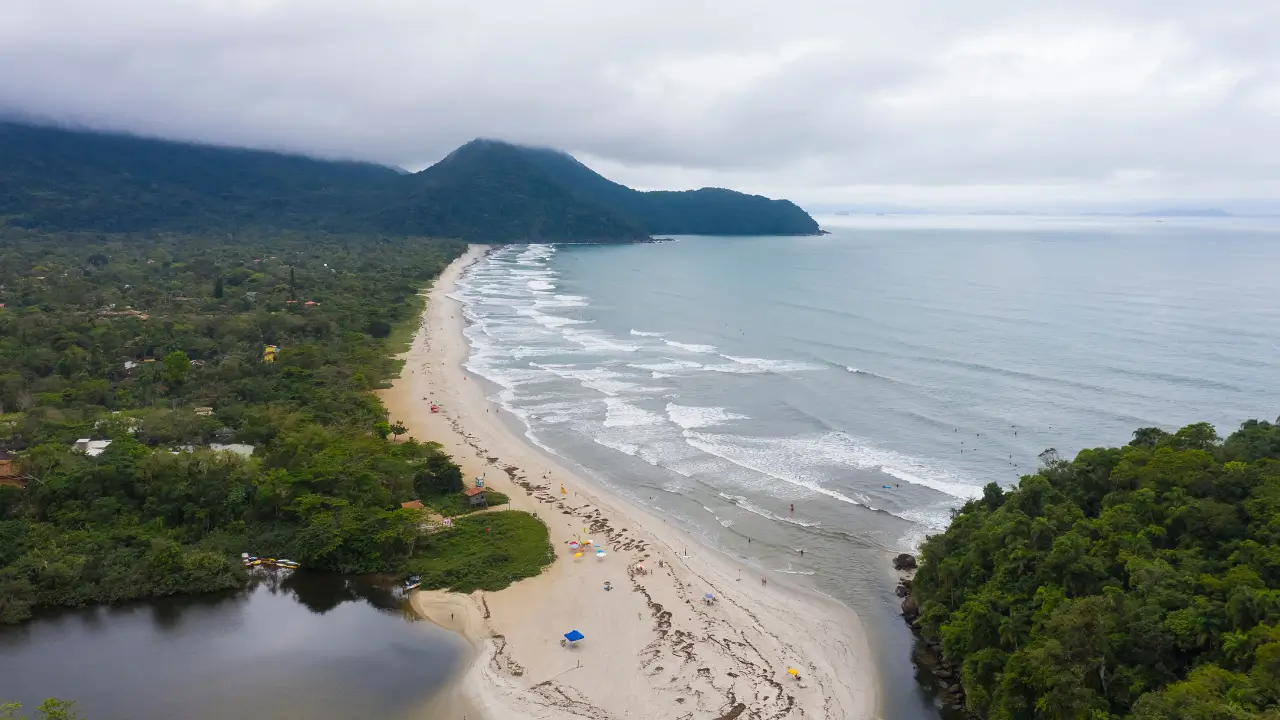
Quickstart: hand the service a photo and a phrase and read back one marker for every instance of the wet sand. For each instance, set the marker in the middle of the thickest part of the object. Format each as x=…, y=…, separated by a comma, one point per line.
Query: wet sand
x=653, y=647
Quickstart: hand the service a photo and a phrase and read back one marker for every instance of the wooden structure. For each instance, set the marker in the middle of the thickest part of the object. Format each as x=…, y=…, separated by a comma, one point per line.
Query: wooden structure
x=9, y=476
x=476, y=497
x=413, y=505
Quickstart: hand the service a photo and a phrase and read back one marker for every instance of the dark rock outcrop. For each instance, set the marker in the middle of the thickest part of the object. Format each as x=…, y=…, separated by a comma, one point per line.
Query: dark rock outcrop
x=904, y=562
x=910, y=608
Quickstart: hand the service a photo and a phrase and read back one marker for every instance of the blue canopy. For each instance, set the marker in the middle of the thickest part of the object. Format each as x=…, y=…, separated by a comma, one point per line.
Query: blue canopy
x=573, y=636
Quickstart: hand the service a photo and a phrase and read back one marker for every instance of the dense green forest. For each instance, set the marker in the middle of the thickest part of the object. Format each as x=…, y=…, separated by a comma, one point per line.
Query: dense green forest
x=57, y=180
x=156, y=343
x=1138, y=582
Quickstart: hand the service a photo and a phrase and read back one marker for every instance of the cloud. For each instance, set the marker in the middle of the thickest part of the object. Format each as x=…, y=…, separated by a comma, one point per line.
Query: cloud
x=822, y=100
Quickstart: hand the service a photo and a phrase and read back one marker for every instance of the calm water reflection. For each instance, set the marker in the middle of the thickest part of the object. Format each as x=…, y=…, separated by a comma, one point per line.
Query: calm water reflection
x=303, y=646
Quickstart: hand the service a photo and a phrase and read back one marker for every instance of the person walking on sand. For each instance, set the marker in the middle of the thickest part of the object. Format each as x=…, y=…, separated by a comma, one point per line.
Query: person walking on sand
x=764, y=582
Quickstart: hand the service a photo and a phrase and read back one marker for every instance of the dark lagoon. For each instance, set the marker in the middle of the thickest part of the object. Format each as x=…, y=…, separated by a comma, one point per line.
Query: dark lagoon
x=305, y=645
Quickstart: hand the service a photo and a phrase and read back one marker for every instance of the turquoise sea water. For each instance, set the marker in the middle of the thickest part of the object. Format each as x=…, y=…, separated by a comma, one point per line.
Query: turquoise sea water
x=873, y=378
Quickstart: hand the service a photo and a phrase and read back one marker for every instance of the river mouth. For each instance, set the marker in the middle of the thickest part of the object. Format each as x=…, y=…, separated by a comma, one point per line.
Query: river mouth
x=289, y=645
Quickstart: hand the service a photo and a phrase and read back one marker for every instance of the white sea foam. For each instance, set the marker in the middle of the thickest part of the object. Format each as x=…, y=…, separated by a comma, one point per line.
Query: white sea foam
x=735, y=369
x=600, y=379
x=807, y=460
x=619, y=413
x=668, y=366
x=691, y=347
x=561, y=301
x=541, y=285
x=658, y=376
x=964, y=491
x=548, y=321
x=643, y=333
x=754, y=455
x=774, y=366
x=561, y=412
x=688, y=416
x=622, y=447
x=594, y=342
x=724, y=522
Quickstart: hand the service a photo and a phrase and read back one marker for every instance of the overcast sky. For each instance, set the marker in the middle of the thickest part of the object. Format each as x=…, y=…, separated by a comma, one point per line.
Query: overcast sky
x=924, y=103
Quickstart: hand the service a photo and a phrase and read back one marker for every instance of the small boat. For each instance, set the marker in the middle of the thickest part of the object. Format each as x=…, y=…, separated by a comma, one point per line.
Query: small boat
x=412, y=583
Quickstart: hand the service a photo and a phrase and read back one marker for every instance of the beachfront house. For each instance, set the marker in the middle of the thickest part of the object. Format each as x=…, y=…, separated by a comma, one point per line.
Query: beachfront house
x=476, y=497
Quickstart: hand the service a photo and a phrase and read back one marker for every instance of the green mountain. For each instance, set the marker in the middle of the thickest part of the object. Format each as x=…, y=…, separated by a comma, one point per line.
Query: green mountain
x=55, y=179
x=709, y=211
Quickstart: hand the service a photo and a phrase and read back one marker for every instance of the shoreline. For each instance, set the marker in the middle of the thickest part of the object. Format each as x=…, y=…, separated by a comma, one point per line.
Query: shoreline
x=654, y=647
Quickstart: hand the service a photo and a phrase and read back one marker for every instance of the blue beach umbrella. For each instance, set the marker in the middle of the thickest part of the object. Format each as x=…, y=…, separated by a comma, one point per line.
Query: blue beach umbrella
x=573, y=636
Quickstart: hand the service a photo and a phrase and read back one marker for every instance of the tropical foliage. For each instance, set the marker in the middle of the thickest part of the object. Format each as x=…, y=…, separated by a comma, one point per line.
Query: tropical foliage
x=159, y=346
x=51, y=709
x=1138, y=582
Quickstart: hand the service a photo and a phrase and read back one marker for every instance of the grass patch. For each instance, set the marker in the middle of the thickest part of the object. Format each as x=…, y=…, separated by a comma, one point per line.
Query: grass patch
x=455, y=504
x=401, y=336
x=466, y=558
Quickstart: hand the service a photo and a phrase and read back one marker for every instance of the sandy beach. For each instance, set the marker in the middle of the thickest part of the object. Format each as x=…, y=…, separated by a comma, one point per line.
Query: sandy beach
x=654, y=647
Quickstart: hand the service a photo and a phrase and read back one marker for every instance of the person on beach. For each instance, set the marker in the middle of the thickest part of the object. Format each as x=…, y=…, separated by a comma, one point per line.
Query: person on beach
x=764, y=581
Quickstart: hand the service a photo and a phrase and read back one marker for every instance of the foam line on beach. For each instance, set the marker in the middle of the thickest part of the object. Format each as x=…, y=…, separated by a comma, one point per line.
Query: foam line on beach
x=648, y=621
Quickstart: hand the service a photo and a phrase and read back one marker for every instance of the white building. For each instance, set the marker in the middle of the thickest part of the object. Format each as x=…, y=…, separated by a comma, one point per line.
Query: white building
x=92, y=448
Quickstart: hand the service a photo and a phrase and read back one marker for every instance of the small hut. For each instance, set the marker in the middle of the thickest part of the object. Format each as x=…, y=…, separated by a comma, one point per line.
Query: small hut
x=413, y=505
x=476, y=497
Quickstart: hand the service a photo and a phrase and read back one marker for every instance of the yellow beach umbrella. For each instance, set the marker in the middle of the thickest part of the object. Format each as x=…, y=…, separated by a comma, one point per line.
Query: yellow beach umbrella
x=577, y=554
x=794, y=672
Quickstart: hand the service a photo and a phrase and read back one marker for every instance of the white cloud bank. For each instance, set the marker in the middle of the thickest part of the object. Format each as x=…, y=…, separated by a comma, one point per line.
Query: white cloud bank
x=819, y=100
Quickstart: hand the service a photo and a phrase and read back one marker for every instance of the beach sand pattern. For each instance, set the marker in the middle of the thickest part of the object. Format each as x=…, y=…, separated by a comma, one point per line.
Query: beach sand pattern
x=653, y=647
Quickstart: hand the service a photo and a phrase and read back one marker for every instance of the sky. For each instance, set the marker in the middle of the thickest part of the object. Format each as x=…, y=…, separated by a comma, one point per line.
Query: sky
x=941, y=103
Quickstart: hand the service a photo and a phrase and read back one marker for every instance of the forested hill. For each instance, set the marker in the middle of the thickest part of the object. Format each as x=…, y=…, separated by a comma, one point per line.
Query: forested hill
x=57, y=180
x=1139, y=582
x=709, y=211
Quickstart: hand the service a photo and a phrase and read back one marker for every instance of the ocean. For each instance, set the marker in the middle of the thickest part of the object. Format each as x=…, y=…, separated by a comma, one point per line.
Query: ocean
x=840, y=395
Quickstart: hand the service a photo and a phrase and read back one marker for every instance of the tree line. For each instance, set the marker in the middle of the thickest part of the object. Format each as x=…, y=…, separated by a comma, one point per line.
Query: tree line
x=1135, y=582
x=157, y=343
